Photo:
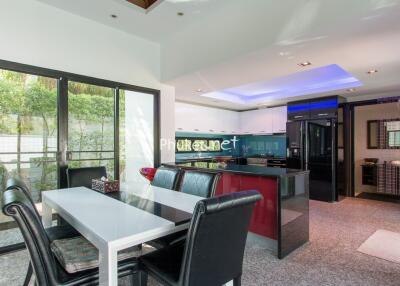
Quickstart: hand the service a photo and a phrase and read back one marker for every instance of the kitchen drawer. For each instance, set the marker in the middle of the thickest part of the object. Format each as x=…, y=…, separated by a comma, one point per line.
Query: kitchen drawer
x=277, y=161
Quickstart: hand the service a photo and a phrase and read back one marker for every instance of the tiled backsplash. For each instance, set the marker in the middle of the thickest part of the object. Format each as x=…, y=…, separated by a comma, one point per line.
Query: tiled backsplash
x=274, y=145
x=248, y=145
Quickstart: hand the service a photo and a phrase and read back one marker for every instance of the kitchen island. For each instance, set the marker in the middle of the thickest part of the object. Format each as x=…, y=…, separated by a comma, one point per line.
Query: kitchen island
x=282, y=217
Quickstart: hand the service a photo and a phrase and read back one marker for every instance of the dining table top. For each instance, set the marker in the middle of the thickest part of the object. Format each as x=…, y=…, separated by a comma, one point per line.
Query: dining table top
x=137, y=211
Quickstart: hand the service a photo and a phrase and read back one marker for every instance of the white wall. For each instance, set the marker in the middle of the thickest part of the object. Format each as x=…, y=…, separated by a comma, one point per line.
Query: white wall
x=362, y=115
x=41, y=35
x=167, y=143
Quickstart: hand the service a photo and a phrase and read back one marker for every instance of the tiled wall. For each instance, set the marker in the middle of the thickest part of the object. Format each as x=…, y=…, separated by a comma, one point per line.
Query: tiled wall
x=274, y=145
x=361, y=116
x=247, y=145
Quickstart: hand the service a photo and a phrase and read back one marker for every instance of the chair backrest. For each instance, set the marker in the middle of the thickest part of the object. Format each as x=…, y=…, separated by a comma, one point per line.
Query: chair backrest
x=82, y=177
x=16, y=183
x=167, y=178
x=18, y=206
x=216, y=239
x=200, y=184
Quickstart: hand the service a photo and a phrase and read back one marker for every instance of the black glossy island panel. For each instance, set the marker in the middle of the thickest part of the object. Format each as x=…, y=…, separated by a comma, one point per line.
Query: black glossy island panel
x=283, y=215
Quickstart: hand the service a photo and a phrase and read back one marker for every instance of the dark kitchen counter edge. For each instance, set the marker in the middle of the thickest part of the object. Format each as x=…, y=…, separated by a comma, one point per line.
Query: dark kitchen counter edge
x=243, y=169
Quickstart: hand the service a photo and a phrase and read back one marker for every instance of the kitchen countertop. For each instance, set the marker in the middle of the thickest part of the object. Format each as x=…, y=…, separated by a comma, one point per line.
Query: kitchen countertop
x=240, y=169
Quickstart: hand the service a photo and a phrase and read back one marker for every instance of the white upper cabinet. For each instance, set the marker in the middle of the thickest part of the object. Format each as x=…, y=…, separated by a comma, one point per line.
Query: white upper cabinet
x=194, y=118
x=264, y=121
x=255, y=122
x=279, y=119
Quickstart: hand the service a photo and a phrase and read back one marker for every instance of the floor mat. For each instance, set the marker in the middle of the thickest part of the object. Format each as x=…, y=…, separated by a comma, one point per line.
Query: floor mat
x=383, y=244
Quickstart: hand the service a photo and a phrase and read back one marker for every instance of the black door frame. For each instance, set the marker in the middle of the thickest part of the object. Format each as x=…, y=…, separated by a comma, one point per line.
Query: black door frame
x=349, y=128
x=62, y=116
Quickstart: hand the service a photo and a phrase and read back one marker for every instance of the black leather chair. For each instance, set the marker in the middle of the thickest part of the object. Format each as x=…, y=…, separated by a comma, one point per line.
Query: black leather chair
x=195, y=183
x=53, y=233
x=47, y=269
x=200, y=184
x=213, y=252
x=167, y=178
x=82, y=177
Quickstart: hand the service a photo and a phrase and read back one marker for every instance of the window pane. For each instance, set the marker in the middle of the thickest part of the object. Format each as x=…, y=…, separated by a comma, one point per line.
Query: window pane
x=91, y=126
x=28, y=138
x=28, y=130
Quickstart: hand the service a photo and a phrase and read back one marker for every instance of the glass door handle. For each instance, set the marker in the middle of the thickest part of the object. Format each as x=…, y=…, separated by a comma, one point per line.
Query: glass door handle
x=59, y=156
x=64, y=156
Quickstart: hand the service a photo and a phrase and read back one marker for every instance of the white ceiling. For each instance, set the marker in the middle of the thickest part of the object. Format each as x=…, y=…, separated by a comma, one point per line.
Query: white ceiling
x=156, y=24
x=221, y=44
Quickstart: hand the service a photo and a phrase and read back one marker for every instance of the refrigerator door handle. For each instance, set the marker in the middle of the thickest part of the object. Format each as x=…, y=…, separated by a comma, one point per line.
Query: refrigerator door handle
x=306, y=142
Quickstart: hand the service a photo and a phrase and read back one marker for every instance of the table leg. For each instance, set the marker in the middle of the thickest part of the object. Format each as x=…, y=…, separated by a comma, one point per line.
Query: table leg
x=108, y=267
x=46, y=214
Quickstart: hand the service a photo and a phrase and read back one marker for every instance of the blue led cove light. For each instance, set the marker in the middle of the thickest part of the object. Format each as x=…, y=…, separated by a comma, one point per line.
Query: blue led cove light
x=332, y=103
x=318, y=80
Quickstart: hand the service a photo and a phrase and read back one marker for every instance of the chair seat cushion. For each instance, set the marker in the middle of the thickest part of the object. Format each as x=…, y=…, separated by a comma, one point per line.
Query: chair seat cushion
x=78, y=254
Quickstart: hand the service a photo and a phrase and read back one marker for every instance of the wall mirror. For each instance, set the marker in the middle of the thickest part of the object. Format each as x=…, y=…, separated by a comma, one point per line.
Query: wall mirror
x=373, y=134
x=383, y=134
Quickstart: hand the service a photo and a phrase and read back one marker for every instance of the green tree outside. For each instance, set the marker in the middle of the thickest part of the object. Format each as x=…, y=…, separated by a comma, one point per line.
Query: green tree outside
x=28, y=107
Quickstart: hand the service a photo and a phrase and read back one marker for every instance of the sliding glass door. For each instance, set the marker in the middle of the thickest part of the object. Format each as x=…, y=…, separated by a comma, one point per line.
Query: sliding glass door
x=51, y=121
x=28, y=138
x=91, y=126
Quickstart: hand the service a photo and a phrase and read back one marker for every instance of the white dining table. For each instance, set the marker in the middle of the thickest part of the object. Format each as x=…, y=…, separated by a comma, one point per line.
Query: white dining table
x=146, y=213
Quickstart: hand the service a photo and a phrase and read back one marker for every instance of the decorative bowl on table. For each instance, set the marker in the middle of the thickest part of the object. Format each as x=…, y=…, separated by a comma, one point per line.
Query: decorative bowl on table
x=148, y=173
x=105, y=186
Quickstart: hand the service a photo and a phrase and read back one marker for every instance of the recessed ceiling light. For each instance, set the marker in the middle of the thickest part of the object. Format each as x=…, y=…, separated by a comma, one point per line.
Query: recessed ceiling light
x=372, y=71
x=351, y=89
x=113, y=16
x=199, y=90
x=304, y=64
x=180, y=13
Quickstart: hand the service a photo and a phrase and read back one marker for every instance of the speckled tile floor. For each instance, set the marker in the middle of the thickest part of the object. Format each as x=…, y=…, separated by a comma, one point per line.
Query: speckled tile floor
x=330, y=258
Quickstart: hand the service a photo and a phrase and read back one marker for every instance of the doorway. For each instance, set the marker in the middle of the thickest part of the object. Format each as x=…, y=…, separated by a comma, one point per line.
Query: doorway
x=376, y=149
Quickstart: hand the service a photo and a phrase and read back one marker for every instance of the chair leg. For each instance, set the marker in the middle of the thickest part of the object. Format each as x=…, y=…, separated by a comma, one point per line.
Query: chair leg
x=28, y=275
x=237, y=281
x=139, y=278
x=142, y=278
